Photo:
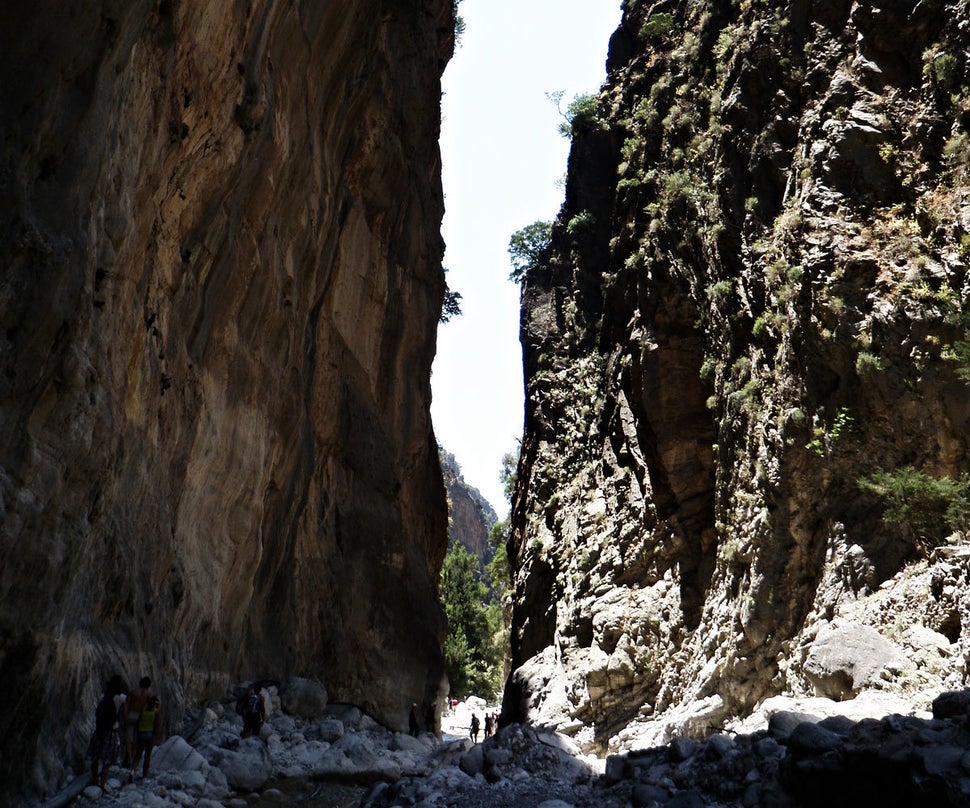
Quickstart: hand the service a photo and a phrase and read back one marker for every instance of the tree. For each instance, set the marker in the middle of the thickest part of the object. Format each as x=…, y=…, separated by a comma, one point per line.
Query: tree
x=451, y=304
x=459, y=22
x=526, y=247
x=499, y=570
x=508, y=474
x=472, y=656
x=582, y=111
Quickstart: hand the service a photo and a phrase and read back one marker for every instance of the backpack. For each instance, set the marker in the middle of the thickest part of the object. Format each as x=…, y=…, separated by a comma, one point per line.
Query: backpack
x=105, y=715
x=251, y=705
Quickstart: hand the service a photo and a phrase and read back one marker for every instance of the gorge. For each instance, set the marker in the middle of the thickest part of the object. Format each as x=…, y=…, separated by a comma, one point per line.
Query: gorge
x=744, y=469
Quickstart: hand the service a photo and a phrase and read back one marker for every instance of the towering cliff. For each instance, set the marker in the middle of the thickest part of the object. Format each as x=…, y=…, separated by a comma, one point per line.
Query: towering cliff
x=221, y=280
x=470, y=516
x=755, y=300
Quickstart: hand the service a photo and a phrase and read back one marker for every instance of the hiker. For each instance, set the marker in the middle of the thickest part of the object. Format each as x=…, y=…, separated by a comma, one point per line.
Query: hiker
x=137, y=699
x=473, y=729
x=147, y=735
x=105, y=741
x=488, y=725
x=431, y=719
x=252, y=711
x=413, y=727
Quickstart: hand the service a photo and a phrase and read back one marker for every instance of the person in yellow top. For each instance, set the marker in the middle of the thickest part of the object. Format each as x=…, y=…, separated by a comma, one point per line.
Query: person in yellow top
x=137, y=699
x=147, y=735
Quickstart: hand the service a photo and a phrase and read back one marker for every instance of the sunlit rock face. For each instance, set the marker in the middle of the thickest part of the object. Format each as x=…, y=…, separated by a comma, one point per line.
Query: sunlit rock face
x=470, y=515
x=221, y=279
x=755, y=298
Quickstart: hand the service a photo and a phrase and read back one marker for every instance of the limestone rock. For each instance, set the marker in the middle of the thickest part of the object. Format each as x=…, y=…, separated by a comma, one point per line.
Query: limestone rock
x=303, y=698
x=248, y=767
x=470, y=516
x=846, y=659
x=219, y=233
x=754, y=300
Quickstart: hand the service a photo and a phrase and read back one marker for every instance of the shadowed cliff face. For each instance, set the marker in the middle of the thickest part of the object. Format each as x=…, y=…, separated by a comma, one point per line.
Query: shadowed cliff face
x=220, y=286
x=755, y=297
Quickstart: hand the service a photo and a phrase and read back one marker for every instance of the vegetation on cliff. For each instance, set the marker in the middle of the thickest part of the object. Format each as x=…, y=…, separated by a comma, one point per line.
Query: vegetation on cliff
x=754, y=299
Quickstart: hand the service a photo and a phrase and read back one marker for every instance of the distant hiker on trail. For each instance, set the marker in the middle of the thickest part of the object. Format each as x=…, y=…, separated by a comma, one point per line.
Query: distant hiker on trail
x=147, y=735
x=473, y=729
x=488, y=725
x=137, y=699
x=413, y=727
x=105, y=741
x=252, y=711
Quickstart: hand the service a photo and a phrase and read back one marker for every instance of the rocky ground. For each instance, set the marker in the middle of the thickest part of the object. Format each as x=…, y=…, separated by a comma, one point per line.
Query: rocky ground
x=875, y=714
x=805, y=752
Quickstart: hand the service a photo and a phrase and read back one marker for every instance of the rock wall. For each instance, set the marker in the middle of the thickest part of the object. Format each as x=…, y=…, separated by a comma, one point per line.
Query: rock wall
x=755, y=299
x=470, y=516
x=221, y=281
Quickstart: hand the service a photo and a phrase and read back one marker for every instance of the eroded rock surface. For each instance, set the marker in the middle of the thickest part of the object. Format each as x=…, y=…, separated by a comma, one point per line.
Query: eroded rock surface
x=755, y=298
x=221, y=280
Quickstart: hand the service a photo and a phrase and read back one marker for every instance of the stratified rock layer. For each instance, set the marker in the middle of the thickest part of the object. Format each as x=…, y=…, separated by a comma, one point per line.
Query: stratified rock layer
x=755, y=298
x=221, y=280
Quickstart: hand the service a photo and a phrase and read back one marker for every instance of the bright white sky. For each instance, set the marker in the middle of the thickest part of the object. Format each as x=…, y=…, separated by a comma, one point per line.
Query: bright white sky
x=501, y=158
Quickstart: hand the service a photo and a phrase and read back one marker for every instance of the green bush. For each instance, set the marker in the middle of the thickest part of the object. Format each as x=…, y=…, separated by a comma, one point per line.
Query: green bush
x=913, y=498
x=867, y=364
x=580, y=223
x=959, y=351
x=582, y=111
x=657, y=27
x=943, y=67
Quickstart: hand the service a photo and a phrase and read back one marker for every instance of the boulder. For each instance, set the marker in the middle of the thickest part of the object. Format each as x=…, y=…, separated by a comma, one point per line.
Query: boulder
x=811, y=738
x=330, y=730
x=473, y=761
x=954, y=704
x=303, y=698
x=783, y=723
x=248, y=767
x=177, y=754
x=845, y=659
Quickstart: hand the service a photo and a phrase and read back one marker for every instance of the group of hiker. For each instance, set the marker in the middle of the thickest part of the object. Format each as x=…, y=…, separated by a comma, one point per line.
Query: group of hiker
x=491, y=724
x=130, y=721
x=123, y=717
x=430, y=720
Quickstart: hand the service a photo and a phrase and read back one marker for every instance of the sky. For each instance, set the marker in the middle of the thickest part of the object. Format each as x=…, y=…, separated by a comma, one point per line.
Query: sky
x=502, y=160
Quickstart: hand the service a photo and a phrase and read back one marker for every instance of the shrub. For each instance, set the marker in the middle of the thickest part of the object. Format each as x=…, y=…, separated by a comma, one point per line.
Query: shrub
x=913, y=498
x=720, y=290
x=942, y=67
x=581, y=112
x=959, y=351
x=580, y=223
x=657, y=27
x=867, y=363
